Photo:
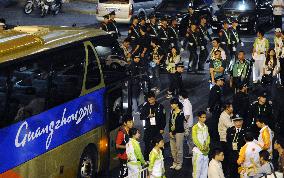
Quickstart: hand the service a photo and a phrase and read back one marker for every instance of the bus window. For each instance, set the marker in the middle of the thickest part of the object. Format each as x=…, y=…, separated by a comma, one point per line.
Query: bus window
x=93, y=77
x=29, y=89
x=3, y=97
x=67, y=75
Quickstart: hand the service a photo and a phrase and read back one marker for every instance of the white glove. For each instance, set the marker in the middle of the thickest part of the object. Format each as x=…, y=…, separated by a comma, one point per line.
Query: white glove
x=202, y=47
x=181, y=50
x=242, y=44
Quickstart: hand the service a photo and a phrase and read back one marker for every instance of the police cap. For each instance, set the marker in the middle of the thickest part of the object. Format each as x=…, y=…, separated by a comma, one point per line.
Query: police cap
x=237, y=117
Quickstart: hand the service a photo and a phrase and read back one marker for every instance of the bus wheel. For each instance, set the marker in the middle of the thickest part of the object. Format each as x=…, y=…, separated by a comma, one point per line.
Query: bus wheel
x=87, y=166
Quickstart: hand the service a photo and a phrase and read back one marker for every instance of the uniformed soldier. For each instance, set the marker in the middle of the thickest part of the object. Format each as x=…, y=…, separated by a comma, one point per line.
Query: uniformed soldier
x=134, y=35
x=215, y=103
x=163, y=34
x=154, y=116
x=142, y=24
x=173, y=33
x=191, y=17
x=263, y=108
x=225, y=39
x=193, y=40
x=104, y=24
x=112, y=26
x=241, y=102
x=235, y=40
x=240, y=73
x=143, y=42
x=235, y=141
x=204, y=39
x=215, y=47
x=152, y=28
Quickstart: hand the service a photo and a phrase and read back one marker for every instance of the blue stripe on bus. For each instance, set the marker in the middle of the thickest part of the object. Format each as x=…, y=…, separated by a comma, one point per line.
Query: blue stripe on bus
x=36, y=135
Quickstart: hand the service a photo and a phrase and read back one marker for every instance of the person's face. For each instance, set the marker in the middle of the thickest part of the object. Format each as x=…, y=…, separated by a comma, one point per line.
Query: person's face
x=226, y=26
x=105, y=20
x=174, y=106
x=164, y=23
x=261, y=100
x=143, y=22
x=180, y=69
x=153, y=20
x=135, y=21
x=112, y=16
x=174, y=51
x=238, y=123
x=258, y=124
x=136, y=59
x=174, y=22
x=259, y=35
x=235, y=24
x=272, y=52
x=261, y=160
x=190, y=10
x=203, y=20
x=218, y=55
x=137, y=135
x=126, y=44
x=152, y=100
x=220, y=157
x=278, y=34
x=220, y=82
x=202, y=118
x=230, y=109
x=129, y=124
x=276, y=146
x=241, y=56
x=215, y=44
x=193, y=28
x=161, y=144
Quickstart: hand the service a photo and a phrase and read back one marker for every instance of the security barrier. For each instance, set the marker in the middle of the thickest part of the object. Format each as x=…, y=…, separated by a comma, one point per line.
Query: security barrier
x=143, y=173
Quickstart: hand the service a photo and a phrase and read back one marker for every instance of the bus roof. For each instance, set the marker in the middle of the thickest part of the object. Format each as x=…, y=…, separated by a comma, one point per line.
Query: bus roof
x=23, y=41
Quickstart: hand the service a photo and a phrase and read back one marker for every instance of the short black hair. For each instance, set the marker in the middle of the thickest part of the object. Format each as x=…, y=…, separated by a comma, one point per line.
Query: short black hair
x=228, y=104
x=132, y=132
x=216, y=39
x=2, y=20
x=183, y=93
x=249, y=137
x=241, y=51
x=280, y=141
x=261, y=32
x=200, y=113
x=261, y=119
x=264, y=154
x=176, y=101
x=127, y=40
x=151, y=94
x=157, y=139
x=216, y=152
x=126, y=118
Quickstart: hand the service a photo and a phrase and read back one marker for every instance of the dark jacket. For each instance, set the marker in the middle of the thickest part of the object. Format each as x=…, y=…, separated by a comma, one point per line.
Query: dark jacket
x=113, y=28
x=239, y=138
x=193, y=40
x=241, y=104
x=235, y=37
x=178, y=124
x=204, y=35
x=225, y=38
x=173, y=34
x=159, y=112
x=163, y=37
x=152, y=30
x=215, y=99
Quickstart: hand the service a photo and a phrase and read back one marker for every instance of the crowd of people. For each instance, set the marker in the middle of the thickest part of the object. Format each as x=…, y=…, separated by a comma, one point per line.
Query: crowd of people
x=239, y=137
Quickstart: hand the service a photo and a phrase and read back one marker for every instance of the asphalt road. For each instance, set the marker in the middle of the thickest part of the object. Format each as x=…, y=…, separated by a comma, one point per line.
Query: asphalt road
x=196, y=84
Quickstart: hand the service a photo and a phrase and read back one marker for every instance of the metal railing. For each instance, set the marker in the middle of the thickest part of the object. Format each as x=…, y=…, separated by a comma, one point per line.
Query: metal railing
x=143, y=173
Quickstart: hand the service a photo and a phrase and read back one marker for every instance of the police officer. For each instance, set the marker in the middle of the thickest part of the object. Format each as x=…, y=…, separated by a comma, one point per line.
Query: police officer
x=154, y=116
x=104, y=24
x=241, y=102
x=193, y=40
x=235, y=140
x=204, y=39
x=173, y=33
x=152, y=28
x=143, y=43
x=113, y=26
x=191, y=17
x=225, y=39
x=214, y=104
x=142, y=24
x=235, y=40
x=134, y=35
x=240, y=73
x=263, y=108
x=163, y=34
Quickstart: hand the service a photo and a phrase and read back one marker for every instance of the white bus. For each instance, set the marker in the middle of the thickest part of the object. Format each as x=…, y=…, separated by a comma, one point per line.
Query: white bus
x=125, y=9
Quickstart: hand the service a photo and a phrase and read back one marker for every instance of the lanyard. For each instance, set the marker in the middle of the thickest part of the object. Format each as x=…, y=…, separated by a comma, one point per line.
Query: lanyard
x=260, y=109
x=194, y=38
x=227, y=36
x=155, y=33
x=236, y=35
x=174, y=32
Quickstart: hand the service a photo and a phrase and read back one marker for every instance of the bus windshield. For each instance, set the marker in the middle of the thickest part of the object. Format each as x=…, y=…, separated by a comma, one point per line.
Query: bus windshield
x=114, y=1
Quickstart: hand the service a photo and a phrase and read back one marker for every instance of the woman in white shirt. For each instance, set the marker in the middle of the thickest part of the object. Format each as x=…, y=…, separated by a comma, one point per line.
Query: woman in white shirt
x=271, y=67
x=215, y=169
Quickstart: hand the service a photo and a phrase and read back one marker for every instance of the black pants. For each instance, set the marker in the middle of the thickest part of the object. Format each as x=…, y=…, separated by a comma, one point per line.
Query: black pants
x=149, y=134
x=193, y=57
x=123, y=171
x=202, y=58
x=278, y=21
x=282, y=70
x=232, y=164
x=225, y=164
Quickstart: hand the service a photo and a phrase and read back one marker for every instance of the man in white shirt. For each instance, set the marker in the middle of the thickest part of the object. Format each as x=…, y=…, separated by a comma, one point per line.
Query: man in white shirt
x=277, y=13
x=188, y=122
x=215, y=169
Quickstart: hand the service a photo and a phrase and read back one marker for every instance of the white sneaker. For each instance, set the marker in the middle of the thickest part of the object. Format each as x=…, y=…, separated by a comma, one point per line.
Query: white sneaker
x=173, y=166
x=178, y=167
